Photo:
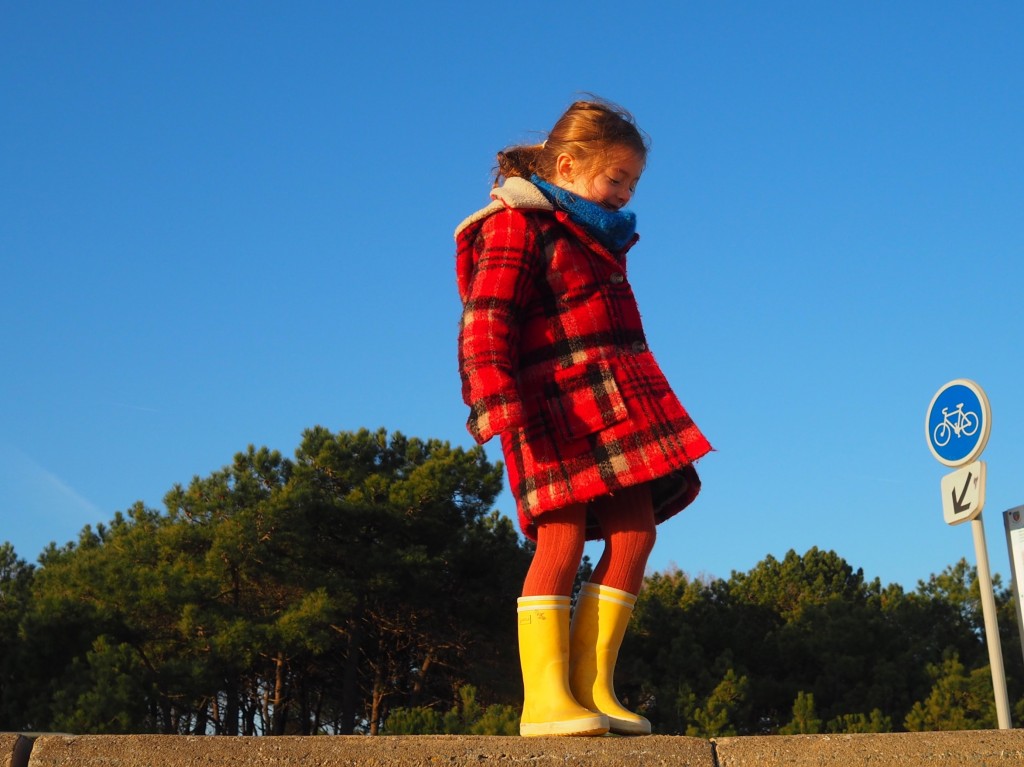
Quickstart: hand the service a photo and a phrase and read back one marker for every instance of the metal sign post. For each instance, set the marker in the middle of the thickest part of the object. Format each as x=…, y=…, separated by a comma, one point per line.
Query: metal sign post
x=988, y=609
x=956, y=428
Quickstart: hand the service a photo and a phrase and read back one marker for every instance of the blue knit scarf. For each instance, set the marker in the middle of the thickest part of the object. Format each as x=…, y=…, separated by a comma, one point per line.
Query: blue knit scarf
x=612, y=228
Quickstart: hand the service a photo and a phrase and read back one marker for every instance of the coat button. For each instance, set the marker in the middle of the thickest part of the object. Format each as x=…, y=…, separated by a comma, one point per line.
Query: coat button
x=639, y=347
x=617, y=278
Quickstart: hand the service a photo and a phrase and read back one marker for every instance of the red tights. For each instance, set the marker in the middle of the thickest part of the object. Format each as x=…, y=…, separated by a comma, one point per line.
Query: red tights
x=627, y=524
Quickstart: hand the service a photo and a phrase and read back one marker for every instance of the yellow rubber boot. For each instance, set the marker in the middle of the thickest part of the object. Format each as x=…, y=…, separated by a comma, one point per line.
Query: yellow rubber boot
x=598, y=626
x=548, y=706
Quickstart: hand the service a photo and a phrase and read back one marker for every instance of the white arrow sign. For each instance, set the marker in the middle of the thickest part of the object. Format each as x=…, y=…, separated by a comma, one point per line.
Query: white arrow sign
x=963, y=493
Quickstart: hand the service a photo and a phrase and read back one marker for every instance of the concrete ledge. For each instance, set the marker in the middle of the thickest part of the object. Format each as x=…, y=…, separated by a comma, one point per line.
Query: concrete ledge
x=362, y=751
x=977, y=748
x=980, y=748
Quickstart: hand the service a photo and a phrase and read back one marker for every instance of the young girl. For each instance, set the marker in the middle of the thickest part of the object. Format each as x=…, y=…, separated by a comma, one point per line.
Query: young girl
x=554, y=361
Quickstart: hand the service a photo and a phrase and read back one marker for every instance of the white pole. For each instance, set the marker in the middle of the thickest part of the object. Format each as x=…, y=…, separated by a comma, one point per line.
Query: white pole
x=988, y=608
x=1015, y=577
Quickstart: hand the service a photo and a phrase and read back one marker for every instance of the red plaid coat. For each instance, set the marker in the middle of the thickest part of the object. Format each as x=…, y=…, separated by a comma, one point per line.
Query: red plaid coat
x=553, y=359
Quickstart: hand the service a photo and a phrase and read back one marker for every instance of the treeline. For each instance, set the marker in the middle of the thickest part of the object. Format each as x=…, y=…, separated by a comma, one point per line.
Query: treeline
x=368, y=586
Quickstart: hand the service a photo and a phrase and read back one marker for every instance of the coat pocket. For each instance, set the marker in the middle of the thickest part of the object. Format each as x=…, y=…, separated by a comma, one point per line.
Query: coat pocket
x=584, y=399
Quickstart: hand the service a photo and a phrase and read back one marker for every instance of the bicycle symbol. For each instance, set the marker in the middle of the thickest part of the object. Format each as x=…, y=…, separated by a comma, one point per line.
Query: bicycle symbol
x=964, y=425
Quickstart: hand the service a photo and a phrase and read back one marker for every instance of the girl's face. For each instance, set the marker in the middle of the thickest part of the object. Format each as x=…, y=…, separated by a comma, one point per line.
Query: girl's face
x=610, y=184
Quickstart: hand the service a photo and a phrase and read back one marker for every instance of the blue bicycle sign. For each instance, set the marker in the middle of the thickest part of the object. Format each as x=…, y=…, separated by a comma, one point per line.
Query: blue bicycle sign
x=958, y=422
x=962, y=425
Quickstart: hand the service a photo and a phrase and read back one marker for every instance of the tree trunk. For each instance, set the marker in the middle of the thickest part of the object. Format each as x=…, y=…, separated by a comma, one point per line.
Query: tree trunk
x=350, y=679
x=280, y=713
x=317, y=710
x=378, y=699
x=418, y=680
x=231, y=710
x=202, y=719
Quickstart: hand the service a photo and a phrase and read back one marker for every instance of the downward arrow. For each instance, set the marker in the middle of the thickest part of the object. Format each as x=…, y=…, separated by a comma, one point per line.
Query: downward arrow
x=959, y=507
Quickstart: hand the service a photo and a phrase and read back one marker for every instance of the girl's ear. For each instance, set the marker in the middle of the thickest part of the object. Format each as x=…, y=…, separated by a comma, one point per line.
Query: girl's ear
x=564, y=166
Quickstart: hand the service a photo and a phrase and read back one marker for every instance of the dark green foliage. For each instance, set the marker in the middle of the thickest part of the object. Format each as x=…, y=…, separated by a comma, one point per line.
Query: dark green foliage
x=273, y=596
x=467, y=717
x=807, y=645
x=16, y=578
x=368, y=583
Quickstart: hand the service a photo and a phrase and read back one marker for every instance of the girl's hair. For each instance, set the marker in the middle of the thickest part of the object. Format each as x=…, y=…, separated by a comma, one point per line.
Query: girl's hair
x=589, y=131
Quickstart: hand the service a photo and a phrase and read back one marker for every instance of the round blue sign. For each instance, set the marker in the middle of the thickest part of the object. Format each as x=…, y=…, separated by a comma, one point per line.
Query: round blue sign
x=958, y=422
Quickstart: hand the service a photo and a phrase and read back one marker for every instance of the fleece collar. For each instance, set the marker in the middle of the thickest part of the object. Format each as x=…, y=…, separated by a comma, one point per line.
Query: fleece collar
x=514, y=193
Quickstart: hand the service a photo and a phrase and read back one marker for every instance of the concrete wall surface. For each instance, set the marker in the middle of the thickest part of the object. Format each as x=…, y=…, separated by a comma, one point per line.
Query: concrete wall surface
x=363, y=751
x=977, y=748
x=982, y=748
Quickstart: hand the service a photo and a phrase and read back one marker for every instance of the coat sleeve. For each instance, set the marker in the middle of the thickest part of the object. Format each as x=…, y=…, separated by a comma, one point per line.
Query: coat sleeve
x=498, y=291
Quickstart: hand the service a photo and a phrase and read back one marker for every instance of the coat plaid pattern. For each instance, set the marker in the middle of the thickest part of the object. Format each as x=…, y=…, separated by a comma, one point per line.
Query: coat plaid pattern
x=553, y=359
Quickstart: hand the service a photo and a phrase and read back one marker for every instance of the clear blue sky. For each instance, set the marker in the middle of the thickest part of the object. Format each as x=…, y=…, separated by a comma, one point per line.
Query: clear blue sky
x=223, y=223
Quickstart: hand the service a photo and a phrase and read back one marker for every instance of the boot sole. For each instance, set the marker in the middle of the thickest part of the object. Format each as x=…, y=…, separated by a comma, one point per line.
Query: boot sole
x=628, y=727
x=578, y=727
